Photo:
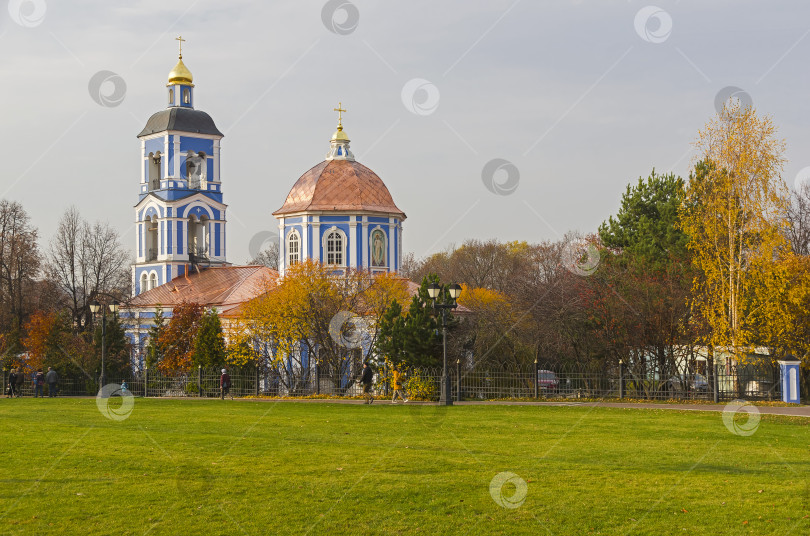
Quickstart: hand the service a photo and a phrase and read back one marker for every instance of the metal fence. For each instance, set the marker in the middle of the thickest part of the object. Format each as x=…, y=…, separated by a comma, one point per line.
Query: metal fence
x=544, y=381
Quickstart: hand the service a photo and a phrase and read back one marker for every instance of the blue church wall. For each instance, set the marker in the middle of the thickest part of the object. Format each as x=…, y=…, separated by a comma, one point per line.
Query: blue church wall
x=358, y=244
x=162, y=242
x=169, y=238
x=298, y=219
x=216, y=240
x=334, y=219
x=375, y=219
x=198, y=210
x=149, y=212
x=179, y=237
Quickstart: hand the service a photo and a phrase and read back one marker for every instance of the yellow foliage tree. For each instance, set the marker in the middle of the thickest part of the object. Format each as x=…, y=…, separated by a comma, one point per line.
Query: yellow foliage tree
x=734, y=216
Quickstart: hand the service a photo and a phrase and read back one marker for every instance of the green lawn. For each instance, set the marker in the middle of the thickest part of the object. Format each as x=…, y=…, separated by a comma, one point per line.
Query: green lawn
x=257, y=467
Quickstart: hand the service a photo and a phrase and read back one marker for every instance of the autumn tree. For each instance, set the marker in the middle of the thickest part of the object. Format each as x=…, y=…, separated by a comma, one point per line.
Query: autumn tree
x=176, y=342
x=85, y=259
x=19, y=268
x=733, y=215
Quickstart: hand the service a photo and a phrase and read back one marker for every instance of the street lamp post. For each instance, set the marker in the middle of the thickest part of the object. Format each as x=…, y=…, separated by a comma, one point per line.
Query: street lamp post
x=95, y=306
x=446, y=397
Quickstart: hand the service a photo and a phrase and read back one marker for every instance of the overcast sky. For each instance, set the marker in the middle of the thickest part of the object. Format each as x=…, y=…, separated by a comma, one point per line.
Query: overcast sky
x=571, y=99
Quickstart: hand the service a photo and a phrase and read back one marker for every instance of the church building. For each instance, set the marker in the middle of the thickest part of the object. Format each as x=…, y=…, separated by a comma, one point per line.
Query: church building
x=339, y=213
x=180, y=214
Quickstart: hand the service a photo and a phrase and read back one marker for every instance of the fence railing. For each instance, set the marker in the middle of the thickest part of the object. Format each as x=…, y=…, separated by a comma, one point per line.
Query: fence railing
x=751, y=382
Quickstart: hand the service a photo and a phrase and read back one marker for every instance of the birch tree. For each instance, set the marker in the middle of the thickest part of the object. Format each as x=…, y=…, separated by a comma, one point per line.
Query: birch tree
x=734, y=215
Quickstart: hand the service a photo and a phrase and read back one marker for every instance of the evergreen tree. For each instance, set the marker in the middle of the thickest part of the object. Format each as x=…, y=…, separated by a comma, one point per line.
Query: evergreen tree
x=647, y=224
x=209, y=345
x=415, y=338
x=117, y=347
x=153, y=351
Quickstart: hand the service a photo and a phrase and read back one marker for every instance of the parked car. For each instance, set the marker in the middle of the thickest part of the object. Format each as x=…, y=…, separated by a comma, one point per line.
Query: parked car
x=548, y=380
x=688, y=382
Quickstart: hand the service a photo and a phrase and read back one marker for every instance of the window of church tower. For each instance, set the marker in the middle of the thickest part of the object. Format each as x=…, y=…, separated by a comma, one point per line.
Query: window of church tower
x=171, y=96
x=186, y=96
x=195, y=170
x=294, y=248
x=154, y=160
x=151, y=238
x=334, y=248
x=198, y=236
x=144, y=282
x=153, y=281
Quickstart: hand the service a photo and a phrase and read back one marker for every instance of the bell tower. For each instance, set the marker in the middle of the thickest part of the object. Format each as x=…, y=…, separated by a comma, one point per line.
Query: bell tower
x=180, y=214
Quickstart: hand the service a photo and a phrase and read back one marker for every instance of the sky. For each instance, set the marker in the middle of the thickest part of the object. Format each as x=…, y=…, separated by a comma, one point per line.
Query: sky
x=506, y=119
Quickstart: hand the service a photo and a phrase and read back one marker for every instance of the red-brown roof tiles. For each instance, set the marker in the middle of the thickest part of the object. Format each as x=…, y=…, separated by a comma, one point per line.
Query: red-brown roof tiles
x=339, y=185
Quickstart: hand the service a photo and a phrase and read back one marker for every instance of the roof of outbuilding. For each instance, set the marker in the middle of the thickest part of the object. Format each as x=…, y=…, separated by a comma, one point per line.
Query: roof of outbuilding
x=343, y=185
x=222, y=287
x=182, y=119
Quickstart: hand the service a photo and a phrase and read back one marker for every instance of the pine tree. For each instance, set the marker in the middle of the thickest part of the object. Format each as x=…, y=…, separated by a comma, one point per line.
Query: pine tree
x=209, y=345
x=153, y=350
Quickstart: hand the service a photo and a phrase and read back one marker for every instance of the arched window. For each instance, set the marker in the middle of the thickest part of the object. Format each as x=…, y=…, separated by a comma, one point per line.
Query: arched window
x=151, y=235
x=195, y=169
x=198, y=236
x=293, y=248
x=186, y=96
x=144, y=282
x=171, y=96
x=152, y=281
x=334, y=248
x=154, y=170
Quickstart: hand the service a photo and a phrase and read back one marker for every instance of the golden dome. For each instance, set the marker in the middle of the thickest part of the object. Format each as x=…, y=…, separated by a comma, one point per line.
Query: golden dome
x=339, y=134
x=180, y=74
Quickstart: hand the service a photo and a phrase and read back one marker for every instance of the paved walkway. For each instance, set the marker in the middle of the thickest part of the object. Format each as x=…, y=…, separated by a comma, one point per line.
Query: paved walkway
x=794, y=411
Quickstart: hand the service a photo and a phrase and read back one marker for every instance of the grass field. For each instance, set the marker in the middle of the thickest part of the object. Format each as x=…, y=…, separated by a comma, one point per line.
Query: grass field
x=251, y=467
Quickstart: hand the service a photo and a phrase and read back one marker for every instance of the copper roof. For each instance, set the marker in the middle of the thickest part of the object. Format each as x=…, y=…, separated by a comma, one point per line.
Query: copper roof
x=223, y=287
x=339, y=185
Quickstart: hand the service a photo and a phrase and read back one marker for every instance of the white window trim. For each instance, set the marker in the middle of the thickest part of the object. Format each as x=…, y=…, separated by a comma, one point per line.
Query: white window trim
x=293, y=232
x=324, y=245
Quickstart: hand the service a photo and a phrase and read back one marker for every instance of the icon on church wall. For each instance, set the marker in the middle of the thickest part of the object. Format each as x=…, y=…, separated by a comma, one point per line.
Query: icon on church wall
x=420, y=96
x=107, y=89
x=340, y=16
x=377, y=248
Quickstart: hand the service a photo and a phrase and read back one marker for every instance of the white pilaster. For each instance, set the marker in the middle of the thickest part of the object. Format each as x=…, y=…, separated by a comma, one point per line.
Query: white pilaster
x=216, y=160
x=364, y=242
x=316, y=238
x=176, y=156
x=391, y=230
x=352, y=244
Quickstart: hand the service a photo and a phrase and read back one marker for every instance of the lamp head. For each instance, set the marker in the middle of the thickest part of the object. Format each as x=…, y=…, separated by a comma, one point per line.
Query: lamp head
x=433, y=291
x=114, y=306
x=95, y=306
x=455, y=291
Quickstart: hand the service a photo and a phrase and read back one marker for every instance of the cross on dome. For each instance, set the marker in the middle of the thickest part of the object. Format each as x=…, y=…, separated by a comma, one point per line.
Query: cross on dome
x=180, y=39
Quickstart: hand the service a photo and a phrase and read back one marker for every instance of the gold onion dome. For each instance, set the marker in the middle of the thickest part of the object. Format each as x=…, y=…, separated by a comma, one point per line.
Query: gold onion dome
x=339, y=134
x=180, y=74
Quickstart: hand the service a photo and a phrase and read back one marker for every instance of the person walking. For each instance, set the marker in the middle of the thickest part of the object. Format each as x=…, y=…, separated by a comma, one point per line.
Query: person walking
x=39, y=383
x=396, y=384
x=20, y=382
x=366, y=380
x=224, y=384
x=51, y=378
x=12, y=383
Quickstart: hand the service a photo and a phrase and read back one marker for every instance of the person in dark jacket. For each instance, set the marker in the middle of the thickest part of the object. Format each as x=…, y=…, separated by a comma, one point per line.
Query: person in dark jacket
x=20, y=382
x=366, y=380
x=224, y=384
x=39, y=383
x=51, y=378
x=12, y=383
